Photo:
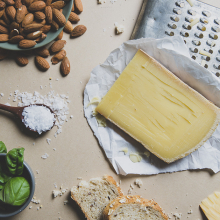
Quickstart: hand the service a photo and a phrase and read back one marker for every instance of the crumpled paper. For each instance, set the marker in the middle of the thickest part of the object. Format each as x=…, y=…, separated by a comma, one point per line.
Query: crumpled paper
x=173, y=54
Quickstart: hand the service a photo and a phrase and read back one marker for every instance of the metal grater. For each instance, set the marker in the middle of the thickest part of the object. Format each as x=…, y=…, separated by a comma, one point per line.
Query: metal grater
x=162, y=18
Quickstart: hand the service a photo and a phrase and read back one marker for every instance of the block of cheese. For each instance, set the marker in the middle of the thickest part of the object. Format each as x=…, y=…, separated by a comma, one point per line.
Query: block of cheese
x=211, y=206
x=160, y=111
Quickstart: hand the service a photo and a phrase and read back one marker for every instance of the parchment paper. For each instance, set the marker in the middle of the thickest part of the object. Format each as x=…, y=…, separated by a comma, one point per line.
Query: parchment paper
x=173, y=54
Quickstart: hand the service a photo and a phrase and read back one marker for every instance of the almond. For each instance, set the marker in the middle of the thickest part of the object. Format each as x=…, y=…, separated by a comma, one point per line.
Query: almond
x=57, y=46
x=4, y=37
x=39, y=15
x=79, y=5
x=48, y=2
x=21, y=60
x=78, y=31
x=26, y=44
x=43, y=52
x=54, y=26
x=18, y=4
x=21, y=12
x=14, y=25
x=41, y=63
x=2, y=12
x=49, y=14
x=37, y=6
x=68, y=28
x=28, y=2
x=58, y=4
x=60, y=36
x=3, y=30
x=58, y=57
x=3, y=54
x=59, y=17
x=2, y=5
x=74, y=18
x=32, y=28
x=9, y=2
x=6, y=18
x=34, y=35
x=15, y=39
x=13, y=33
x=41, y=38
x=11, y=12
x=2, y=23
x=28, y=19
x=65, y=66
x=45, y=28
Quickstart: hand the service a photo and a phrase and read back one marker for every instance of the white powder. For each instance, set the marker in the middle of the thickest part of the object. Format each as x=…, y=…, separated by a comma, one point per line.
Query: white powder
x=54, y=101
x=38, y=118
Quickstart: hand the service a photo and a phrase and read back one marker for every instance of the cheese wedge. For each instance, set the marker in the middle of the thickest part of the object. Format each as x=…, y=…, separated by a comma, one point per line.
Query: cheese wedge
x=157, y=109
x=211, y=206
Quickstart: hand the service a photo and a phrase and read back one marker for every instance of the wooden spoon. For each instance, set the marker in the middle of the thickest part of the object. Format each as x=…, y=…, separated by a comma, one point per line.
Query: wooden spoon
x=19, y=110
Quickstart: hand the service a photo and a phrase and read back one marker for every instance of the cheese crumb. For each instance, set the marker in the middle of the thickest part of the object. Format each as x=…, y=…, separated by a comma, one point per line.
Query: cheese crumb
x=48, y=140
x=45, y=156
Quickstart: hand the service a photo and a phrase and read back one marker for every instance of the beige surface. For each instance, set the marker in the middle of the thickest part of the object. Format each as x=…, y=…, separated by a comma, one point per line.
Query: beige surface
x=77, y=151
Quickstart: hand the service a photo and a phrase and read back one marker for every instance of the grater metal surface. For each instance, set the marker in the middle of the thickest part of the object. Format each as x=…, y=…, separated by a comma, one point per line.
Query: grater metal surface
x=162, y=18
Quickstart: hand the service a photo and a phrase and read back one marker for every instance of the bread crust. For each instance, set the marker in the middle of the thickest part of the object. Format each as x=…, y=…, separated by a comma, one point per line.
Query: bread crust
x=136, y=199
x=110, y=179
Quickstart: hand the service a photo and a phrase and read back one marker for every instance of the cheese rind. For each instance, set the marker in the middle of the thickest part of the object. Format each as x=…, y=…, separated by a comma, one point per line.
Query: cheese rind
x=157, y=109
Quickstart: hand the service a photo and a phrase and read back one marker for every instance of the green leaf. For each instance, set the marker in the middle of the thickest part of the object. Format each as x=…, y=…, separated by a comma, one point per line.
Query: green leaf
x=4, y=176
x=3, y=148
x=15, y=192
x=14, y=161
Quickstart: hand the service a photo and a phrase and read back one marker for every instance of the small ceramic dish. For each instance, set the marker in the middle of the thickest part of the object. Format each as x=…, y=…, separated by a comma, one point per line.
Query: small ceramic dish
x=51, y=35
x=29, y=175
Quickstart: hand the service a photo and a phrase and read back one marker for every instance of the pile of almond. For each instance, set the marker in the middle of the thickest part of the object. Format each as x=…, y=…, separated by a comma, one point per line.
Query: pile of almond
x=26, y=23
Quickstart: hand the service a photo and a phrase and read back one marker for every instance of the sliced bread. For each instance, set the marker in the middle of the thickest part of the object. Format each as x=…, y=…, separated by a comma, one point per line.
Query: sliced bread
x=133, y=207
x=93, y=196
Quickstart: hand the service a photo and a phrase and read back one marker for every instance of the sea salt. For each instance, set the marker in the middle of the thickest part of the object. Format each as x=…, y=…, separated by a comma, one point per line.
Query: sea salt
x=38, y=118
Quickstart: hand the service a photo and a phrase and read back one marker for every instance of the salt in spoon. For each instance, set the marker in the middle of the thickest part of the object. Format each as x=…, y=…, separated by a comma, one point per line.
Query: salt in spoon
x=19, y=110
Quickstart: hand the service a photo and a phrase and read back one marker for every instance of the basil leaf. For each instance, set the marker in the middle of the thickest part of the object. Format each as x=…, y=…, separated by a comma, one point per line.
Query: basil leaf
x=15, y=192
x=4, y=176
x=14, y=161
x=3, y=148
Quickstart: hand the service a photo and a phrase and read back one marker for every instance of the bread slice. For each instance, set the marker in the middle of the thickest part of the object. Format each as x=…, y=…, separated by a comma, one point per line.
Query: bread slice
x=93, y=196
x=133, y=207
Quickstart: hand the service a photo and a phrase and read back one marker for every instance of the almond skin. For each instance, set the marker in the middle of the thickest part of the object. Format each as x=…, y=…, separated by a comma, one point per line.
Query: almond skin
x=79, y=5
x=2, y=12
x=43, y=52
x=15, y=39
x=68, y=28
x=37, y=6
x=34, y=35
x=13, y=33
x=32, y=28
x=28, y=19
x=14, y=25
x=60, y=36
x=26, y=44
x=57, y=46
x=2, y=23
x=65, y=66
x=58, y=57
x=39, y=15
x=49, y=14
x=21, y=60
x=73, y=18
x=3, y=30
x=41, y=63
x=18, y=4
x=4, y=37
x=41, y=38
x=9, y=2
x=45, y=28
x=48, y=2
x=2, y=5
x=6, y=18
x=58, y=5
x=11, y=12
x=54, y=26
x=59, y=17
x=78, y=31
x=21, y=12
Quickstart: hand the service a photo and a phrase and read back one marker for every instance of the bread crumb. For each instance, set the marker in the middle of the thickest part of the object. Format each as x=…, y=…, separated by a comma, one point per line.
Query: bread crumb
x=138, y=182
x=190, y=211
x=119, y=29
x=65, y=202
x=45, y=156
